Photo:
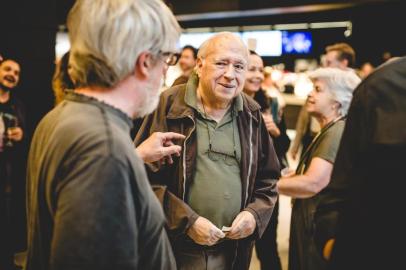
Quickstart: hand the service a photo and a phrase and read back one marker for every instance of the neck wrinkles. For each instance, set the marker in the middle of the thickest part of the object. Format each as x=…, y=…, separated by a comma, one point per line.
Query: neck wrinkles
x=215, y=110
x=325, y=120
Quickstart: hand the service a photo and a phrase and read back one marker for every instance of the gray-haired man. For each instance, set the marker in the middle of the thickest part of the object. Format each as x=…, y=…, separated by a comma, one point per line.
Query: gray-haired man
x=89, y=202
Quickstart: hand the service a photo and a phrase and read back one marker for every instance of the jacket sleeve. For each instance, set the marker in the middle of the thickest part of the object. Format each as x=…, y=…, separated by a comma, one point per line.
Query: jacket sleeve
x=179, y=215
x=164, y=178
x=264, y=189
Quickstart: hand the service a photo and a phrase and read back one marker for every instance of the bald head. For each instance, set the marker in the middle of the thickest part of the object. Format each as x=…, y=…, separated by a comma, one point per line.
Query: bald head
x=221, y=66
x=220, y=41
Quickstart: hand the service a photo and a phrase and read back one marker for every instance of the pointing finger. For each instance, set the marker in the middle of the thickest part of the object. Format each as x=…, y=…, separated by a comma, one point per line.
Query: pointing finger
x=172, y=135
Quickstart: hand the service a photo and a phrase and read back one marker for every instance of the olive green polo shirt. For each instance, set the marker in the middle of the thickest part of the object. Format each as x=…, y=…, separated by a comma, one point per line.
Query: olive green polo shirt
x=215, y=191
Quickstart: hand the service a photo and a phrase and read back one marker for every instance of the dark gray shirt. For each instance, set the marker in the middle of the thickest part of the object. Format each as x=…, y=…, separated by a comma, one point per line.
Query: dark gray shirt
x=90, y=205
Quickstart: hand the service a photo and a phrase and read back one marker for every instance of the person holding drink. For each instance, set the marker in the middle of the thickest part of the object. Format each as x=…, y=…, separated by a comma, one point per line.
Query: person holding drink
x=12, y=130
x=12, y=165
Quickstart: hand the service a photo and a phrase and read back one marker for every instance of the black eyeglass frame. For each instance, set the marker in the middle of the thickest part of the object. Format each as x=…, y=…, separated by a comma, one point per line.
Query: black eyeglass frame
x=214, y=155
x=170, y=58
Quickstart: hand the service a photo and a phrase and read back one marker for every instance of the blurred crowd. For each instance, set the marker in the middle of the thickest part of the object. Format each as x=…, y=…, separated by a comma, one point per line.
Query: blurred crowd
x=156, y=157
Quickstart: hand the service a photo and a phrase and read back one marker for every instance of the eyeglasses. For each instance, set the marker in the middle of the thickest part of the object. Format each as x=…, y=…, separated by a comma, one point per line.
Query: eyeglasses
x=214, y=155
x=170, y=58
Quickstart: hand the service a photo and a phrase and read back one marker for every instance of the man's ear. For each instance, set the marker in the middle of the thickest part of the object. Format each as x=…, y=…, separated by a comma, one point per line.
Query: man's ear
x=143, y=65
x=199, y=66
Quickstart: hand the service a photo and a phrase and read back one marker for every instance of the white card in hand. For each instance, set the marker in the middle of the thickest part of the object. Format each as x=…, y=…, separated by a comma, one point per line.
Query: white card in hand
x=226, y=229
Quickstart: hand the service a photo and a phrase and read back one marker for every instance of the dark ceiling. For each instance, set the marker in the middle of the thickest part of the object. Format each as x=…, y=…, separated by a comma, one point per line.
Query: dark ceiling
x=273, y=7
x=23, y=18
x=199, y=6
x=28, y=29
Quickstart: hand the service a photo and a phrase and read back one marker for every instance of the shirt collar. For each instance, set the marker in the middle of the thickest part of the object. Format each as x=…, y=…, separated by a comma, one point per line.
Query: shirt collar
x=74, y=96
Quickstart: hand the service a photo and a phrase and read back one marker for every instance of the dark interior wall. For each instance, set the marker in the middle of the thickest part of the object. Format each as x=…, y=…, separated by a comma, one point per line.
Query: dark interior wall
x=380, y=29
x=191, y=6
x=199, y=6
x=377, y=27
x=28, y=34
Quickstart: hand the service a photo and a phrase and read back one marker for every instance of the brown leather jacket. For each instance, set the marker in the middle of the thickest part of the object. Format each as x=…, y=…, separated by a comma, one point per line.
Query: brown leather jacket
x=259, y=167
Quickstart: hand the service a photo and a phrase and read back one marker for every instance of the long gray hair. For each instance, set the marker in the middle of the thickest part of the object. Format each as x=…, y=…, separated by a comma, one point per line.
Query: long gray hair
x=107, y=36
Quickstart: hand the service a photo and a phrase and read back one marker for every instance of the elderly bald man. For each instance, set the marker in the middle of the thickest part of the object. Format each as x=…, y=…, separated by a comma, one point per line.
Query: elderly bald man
x=220, y=193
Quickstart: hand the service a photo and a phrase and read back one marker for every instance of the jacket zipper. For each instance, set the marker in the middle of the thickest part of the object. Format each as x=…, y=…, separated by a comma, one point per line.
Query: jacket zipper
x=250, y=161
x=184, y=157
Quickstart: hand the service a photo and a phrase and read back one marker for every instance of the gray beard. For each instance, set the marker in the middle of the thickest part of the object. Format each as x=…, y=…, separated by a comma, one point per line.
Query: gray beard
x=150, y=102
x=148, y=106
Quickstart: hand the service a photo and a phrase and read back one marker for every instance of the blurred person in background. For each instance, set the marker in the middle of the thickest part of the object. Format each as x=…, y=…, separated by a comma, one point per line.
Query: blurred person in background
x=187, y=63
x=338, y=55
x=266, y=247
x=61, y=81
x=272, y=89
x=328, y=102
x=365, y=69
x=13, y=150
x=386, y=55
x=358, y=219
x=306, y=129
x=89, y=203
x=220, y=194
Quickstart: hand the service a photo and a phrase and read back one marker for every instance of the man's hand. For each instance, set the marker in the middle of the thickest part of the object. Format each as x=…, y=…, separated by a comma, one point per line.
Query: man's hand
x=203, y=232
x=159, y=146
x=243, y=226
x=270, y=125
x=15, y=134
x=287, y=172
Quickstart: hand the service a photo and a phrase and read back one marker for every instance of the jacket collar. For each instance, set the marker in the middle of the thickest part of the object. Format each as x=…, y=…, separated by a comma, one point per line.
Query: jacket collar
x=251, y=107
x=179, y=109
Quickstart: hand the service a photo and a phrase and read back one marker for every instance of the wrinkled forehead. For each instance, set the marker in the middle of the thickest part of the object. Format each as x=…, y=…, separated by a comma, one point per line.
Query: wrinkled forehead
x=322, y=84
x=226, y=47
